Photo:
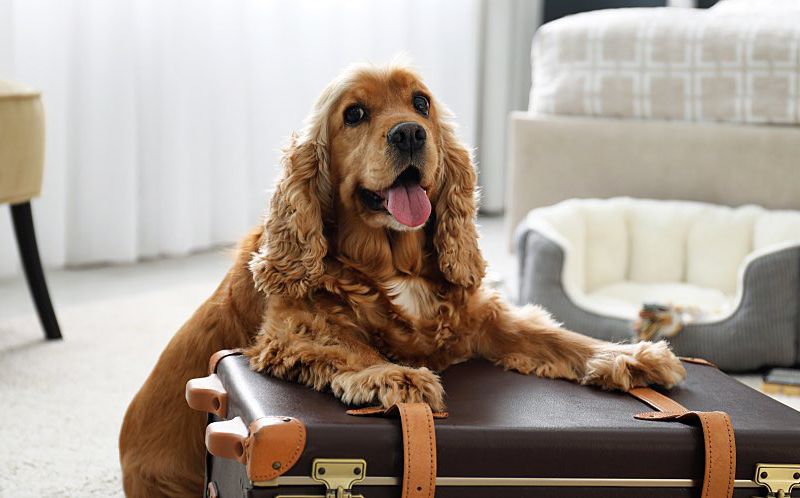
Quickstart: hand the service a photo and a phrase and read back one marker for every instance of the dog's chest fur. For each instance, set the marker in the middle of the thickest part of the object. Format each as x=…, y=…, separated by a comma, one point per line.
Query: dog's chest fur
x=413, y=296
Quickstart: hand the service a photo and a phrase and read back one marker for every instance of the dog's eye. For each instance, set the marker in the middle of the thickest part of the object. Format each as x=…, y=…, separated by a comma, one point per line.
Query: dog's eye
x=421, y=104
x=354, y=114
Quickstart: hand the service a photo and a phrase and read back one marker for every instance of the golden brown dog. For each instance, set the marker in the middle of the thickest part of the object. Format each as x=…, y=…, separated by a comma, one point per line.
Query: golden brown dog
x=365, y=280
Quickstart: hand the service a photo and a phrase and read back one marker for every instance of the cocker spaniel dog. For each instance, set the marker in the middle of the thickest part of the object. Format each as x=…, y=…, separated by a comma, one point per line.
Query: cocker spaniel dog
x=365, y=280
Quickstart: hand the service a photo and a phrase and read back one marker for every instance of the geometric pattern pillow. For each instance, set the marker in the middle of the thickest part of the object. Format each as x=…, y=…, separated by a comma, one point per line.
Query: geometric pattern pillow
x=737, y=62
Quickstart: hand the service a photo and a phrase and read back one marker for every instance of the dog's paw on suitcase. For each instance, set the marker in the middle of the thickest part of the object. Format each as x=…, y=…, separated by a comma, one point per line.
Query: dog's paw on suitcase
x=390, y=384
x=625, y=366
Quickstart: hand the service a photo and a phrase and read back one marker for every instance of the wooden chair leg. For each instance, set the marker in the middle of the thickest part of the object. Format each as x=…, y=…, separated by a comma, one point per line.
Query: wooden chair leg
x=29, y=253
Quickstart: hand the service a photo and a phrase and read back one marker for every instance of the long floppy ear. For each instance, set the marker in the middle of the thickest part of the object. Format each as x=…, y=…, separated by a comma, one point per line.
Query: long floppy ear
x=456, y=236
x=290, y=261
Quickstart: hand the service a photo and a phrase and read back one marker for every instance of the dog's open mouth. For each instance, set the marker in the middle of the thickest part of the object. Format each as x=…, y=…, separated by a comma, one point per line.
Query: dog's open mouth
x=404, y=199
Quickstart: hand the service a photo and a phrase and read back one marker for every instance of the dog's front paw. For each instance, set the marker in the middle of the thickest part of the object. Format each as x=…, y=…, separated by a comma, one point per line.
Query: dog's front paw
x=624, y=366
x=390, y=384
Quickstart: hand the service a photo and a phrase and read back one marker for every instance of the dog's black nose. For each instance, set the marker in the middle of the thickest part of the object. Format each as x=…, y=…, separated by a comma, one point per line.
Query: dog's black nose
x=408, y=136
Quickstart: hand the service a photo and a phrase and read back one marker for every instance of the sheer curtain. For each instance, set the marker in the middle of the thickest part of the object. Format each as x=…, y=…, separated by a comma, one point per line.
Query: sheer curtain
x=165, y=118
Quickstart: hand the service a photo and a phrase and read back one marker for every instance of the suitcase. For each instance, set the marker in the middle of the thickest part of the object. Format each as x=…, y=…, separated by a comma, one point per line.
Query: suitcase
x=506, y=435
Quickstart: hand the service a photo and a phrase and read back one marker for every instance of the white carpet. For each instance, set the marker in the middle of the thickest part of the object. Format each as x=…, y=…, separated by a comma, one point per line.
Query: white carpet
x=63, y=402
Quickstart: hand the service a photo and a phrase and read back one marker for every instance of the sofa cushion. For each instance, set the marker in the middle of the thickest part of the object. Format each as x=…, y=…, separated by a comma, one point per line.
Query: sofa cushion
x=22, y=144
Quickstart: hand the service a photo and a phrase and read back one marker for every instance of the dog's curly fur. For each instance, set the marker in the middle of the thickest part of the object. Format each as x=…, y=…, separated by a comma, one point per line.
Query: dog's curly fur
x=348, y=299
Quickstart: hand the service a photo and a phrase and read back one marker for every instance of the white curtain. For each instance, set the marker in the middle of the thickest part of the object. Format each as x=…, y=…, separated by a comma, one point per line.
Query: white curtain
x=508, y=29
x=165, y=117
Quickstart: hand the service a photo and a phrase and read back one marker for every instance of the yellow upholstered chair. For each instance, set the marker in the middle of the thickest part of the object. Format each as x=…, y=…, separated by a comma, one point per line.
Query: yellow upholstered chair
x=21, y=166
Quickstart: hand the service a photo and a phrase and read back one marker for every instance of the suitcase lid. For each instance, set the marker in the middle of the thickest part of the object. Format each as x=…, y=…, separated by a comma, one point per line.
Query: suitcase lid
x=504, y=424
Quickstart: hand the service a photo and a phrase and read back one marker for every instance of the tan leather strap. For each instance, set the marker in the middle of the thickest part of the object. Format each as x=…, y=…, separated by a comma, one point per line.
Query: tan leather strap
x=656, y=400
x=419, y=450
x=698, y=361
x=419, y=446
x=718, y=440
x=379, y=411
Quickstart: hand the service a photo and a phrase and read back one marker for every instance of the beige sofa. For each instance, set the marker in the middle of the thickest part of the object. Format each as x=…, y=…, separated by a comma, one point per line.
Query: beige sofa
x=553, y=158
x=662, y=103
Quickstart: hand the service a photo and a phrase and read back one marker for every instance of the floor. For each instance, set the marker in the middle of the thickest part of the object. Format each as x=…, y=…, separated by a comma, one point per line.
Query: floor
x=64, y=401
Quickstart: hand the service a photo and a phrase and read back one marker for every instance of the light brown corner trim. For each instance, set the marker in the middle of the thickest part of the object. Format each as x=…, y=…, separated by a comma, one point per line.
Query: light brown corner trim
x=218, y=356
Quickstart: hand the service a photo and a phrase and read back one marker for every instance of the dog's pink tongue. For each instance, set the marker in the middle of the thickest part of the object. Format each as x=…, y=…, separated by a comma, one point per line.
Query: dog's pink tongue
x=408, y=204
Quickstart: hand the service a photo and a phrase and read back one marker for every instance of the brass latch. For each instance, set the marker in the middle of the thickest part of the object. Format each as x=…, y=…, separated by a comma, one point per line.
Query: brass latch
x=779, y=479
x=338, y=476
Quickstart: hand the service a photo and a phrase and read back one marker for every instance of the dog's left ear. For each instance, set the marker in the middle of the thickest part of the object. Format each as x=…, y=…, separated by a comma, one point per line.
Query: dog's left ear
x=456, y=236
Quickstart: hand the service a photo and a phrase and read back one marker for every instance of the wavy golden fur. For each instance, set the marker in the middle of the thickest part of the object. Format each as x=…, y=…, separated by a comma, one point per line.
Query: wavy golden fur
x=337, y=293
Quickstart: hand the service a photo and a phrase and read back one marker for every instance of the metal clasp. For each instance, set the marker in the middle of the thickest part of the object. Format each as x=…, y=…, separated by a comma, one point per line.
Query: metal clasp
x=779, y=479
x=339, y=475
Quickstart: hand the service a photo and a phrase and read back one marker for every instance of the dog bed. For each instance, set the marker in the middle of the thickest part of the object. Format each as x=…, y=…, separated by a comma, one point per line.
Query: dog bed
x=594, y=263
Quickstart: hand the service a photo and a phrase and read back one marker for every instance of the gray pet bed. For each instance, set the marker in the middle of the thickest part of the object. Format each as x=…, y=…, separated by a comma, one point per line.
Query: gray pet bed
x=762, y=330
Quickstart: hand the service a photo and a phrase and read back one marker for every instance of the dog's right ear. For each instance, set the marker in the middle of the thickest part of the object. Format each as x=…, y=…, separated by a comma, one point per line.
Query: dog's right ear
x=290, y=260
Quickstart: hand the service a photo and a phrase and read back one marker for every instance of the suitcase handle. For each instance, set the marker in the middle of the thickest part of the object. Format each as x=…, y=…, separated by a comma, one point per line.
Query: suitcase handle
x=207, y=394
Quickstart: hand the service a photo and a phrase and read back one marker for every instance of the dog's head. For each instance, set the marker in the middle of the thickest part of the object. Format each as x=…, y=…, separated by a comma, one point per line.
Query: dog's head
x=384, y=136
x=377, y=147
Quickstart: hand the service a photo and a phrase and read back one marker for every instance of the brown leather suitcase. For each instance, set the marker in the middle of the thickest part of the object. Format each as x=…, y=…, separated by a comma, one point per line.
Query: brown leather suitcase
x=506, y=435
